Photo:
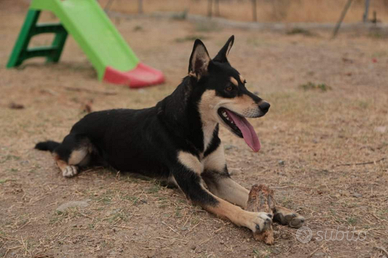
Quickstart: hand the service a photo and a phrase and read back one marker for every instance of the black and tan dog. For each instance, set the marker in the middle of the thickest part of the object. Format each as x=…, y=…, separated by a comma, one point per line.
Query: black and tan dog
x=178, y=138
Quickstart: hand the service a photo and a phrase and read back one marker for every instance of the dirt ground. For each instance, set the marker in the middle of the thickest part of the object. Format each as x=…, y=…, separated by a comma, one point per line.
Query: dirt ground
x=324, y=149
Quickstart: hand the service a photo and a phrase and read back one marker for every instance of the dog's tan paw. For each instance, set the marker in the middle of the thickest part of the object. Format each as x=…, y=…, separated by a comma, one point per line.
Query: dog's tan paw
x=70, y=171
x=288, y=217
x=258, y=221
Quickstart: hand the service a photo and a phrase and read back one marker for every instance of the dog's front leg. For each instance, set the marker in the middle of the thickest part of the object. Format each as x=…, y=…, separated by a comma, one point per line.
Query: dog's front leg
x=187, y=173
x=217, y=178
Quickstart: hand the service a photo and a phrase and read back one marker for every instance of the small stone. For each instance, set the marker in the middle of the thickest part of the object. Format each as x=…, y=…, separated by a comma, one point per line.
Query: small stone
x=381, y=129
x=71, y=204
x=357, y=195
x=319, y=254
x=229, y=147
x=281, y=162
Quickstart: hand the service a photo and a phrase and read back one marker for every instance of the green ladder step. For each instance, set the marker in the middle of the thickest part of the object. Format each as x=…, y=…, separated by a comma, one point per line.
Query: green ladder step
x=30, y=28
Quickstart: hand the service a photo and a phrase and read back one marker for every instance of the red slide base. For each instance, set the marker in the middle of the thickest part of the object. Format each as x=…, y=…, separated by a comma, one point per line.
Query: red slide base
x=141, y=76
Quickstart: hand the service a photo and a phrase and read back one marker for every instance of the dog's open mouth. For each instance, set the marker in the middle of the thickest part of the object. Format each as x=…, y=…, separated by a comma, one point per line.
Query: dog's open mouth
x=241, y=127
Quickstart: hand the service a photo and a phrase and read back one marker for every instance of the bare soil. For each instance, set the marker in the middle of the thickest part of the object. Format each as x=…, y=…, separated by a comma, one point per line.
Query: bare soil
x=324, y=152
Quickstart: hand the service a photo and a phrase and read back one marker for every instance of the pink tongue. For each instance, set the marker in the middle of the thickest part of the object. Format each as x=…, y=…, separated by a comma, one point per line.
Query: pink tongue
x=247, y=130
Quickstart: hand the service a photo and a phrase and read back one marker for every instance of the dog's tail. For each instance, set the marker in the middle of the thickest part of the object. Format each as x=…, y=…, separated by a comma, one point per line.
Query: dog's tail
x=47, y=146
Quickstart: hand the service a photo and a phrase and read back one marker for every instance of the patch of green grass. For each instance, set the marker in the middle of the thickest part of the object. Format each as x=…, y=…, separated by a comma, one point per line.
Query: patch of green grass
x=178, y=213
x=257, y=42
x=382, y=213
x=105, y=199
x=256, y=252
x=380, y=54
x=163, y=202
x=351, y=221
x=313, y=86
x=153, y=189
x=180, y=16
x=190, y=38
x=137, y=28
x=378, y=34
x=2, y=181
x=261, y=253
x=133, y=199
x=301, y=31
x=10, y=157
x=363, y=104
x=206, y=27
x=117, y=216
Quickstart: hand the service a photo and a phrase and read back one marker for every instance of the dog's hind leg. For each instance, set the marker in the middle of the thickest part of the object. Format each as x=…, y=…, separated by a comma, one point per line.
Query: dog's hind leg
x=218, y=180
x=73, y=153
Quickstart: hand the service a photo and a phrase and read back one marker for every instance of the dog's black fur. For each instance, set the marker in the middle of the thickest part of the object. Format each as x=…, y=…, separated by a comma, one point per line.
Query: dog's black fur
x=169, y=140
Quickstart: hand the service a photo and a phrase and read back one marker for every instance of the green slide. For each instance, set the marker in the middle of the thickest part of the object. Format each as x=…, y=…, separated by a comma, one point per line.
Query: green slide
x=106, y=49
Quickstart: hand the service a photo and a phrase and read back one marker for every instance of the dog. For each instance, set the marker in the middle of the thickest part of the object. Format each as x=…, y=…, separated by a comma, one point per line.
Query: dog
x=178, y=138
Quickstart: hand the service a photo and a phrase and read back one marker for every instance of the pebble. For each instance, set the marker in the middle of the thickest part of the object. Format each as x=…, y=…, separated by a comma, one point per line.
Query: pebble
x=381, y=129
x=71, y=204
x=319, y=254
x=357, y=195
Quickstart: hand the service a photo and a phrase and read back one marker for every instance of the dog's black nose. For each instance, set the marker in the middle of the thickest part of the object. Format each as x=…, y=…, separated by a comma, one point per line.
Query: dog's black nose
x=264, y=107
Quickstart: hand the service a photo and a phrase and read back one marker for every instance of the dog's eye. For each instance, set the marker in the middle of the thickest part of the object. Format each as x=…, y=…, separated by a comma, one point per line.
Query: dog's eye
x=229, y=88
x=245, y=81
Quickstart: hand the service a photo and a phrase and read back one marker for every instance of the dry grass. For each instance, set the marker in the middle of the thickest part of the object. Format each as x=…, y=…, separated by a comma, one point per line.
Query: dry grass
x=267, y=11
x=323, y=151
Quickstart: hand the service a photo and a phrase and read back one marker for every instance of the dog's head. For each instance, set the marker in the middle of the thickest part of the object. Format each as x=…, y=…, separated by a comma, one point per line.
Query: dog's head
x=224, y=98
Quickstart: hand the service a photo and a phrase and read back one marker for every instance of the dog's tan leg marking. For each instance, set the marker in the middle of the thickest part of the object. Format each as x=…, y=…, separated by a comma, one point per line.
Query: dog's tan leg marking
x=67, y=170
x=255, y=221
x=220, y=184
x=190, y=161
x=78, y=156
x=215, y=160
x=288, y=217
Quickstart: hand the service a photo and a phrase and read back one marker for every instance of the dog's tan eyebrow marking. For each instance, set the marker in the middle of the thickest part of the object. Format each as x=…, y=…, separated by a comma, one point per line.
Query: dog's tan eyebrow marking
x=242, y=79
x=233, y=80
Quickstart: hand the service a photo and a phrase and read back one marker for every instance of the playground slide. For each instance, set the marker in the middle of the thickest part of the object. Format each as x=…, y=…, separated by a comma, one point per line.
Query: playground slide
x=110, y=55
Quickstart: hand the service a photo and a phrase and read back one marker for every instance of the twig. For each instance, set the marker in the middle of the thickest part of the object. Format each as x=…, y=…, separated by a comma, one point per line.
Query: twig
x=164, y=223
x=124, y=227
x=360, y=164
x=381, y=249
x=90, y=91
x=204, y=241
x=313, y=252
x=25, y=224
x=374, y=215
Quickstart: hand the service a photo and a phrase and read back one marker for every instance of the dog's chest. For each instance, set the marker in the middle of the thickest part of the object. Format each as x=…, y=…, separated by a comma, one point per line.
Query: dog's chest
x=208, y=134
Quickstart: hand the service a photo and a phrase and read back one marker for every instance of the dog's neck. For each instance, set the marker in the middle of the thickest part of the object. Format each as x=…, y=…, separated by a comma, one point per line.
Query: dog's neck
x=180, y=110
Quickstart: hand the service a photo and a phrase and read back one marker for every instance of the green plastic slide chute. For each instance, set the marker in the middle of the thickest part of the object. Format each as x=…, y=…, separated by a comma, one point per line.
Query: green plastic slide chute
x=106, y=49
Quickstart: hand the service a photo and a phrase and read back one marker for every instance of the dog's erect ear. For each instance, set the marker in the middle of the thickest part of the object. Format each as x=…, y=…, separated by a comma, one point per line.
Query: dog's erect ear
x=224, y=52
x=199, y=59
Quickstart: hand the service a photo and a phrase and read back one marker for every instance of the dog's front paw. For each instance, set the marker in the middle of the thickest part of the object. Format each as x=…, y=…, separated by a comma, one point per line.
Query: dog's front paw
x=70, y=171
x=258, y=221
x=288, y=217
